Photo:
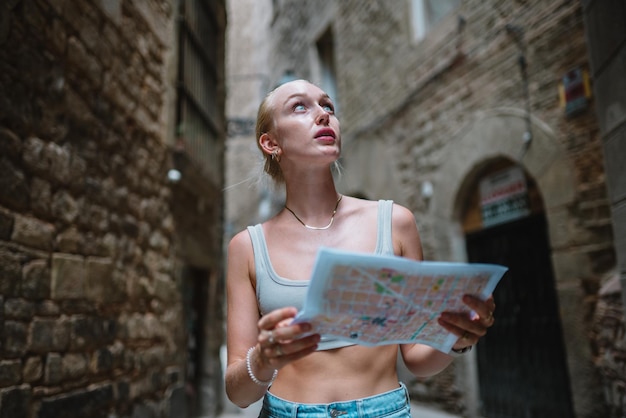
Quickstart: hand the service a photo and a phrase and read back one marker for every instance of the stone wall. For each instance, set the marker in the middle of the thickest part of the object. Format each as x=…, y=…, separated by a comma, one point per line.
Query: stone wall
x=609, y=344
x=606, y=35
x=91, y=316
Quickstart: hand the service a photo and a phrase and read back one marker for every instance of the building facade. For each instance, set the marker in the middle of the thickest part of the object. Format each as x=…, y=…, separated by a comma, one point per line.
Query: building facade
x=481, y=118
x=111, y=145
x=606, y=36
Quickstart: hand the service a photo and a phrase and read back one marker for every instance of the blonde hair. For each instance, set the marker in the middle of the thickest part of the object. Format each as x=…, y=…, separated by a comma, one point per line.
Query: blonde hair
x=264, y=123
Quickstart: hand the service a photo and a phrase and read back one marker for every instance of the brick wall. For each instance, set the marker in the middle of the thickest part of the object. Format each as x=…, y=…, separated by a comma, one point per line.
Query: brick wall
x=90, y=308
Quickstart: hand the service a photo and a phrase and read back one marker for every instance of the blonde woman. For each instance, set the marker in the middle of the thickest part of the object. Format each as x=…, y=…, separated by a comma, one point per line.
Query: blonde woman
x=269, y=266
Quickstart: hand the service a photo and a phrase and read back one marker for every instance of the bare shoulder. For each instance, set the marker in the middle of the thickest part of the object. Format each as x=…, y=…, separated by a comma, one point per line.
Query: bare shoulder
x=240, y=243
x=240, y=257
x=405, y=234
x=402, y=216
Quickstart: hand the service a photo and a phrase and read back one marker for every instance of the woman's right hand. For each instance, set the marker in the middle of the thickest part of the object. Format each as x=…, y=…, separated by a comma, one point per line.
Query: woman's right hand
x=281, y=342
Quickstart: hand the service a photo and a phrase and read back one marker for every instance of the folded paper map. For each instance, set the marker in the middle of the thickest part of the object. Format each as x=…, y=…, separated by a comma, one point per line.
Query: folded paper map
x=373, y=299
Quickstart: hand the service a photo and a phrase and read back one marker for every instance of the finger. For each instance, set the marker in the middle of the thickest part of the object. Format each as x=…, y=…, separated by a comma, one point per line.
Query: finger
x=484, y=309
x=466, y=337
x=267, y=338
x=272, y=319
x=489, y=319
x=458, y=323
x=283, y=353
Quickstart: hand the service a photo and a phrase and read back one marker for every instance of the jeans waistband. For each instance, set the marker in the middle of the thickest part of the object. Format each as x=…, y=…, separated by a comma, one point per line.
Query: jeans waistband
x=384, y=404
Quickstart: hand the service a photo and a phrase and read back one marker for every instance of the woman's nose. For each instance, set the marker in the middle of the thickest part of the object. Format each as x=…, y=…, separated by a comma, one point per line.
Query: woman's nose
x=323, y=117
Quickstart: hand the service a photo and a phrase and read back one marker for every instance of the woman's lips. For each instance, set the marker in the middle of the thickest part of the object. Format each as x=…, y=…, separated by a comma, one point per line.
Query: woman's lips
x=325, y=135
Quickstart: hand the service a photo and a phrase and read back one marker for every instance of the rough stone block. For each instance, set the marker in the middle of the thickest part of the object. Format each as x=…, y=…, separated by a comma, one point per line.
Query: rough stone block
x=135, y=327
x=6, y=225
x=68, y=276
x=100, y=284
x=70, y=240
x=48, y=334
x=10, y=144
x=36, y=282
x=33, y=155
x=48, y=308
x=53, y=372
x=10, y=372
x=18, y=309
x=123, y=390
x=15, y=401
x=64, y=207
x=32, y=232
x=10, y=273
x=90, y=402
x=59, y=158
x=165, y=289
x=40, y=192
x=74, y=365
x=32, y=370
x=91, y=332
x=15, y=338
x=101, y=361
x=14, y=189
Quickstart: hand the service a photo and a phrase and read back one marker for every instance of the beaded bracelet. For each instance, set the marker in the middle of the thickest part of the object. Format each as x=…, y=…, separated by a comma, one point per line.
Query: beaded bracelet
x=251, y=374
x=460, y=351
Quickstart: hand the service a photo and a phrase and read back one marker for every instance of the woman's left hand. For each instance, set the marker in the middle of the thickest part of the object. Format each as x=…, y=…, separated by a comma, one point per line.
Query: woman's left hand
x=468, y=328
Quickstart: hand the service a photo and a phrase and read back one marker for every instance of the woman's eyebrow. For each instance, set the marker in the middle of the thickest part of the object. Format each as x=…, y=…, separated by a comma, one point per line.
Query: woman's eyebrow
x=294, y=95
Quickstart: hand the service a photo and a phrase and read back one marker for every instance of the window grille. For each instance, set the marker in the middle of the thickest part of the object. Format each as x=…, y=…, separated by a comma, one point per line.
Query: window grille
x=198, y=120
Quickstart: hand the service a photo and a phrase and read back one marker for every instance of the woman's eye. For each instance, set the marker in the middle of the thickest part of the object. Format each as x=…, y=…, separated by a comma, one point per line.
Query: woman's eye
x=328, y=108
x=299, y=107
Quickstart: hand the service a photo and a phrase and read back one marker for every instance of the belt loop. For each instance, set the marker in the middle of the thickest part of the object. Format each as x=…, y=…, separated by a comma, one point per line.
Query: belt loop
x=294, y=410
x=406, y=393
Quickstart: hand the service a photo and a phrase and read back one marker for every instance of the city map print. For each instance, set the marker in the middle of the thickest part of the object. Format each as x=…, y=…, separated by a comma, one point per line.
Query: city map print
x=375, y=300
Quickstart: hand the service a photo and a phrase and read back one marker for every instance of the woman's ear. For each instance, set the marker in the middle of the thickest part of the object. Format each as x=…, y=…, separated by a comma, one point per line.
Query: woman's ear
x=268, y=144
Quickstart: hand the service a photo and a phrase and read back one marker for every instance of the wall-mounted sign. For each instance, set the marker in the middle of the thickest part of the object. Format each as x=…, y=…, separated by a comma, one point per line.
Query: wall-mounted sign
x=575, y=91
x=504, y=196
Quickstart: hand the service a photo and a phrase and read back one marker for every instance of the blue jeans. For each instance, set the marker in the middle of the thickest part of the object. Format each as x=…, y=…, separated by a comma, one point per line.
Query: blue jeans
x=392, y=404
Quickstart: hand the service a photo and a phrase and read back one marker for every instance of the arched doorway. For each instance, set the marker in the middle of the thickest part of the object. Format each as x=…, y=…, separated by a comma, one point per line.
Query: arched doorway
x=522, y=370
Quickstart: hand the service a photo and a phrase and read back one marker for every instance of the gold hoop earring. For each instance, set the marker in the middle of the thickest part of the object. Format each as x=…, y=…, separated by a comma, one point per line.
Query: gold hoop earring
x=276, y=156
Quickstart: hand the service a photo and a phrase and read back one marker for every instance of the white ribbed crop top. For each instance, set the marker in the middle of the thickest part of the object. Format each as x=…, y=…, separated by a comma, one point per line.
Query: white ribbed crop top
x=274, y=291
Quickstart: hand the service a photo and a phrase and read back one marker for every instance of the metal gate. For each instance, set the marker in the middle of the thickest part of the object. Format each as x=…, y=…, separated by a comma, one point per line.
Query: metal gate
x=521, y=361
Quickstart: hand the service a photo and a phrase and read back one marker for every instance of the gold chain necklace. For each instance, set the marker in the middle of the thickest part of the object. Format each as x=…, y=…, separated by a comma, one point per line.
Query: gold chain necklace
x=318, y=228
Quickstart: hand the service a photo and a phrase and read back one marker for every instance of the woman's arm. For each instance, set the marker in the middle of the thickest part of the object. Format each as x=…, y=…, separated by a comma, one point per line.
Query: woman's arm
x=241, y=325
x=424, y=360
x=274, y=341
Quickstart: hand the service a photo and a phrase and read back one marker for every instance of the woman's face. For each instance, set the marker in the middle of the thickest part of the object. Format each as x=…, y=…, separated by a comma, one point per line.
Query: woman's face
x=305, y=125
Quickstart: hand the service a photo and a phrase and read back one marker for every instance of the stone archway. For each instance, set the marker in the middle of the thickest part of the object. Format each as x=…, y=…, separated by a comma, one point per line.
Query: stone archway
x=495, y=134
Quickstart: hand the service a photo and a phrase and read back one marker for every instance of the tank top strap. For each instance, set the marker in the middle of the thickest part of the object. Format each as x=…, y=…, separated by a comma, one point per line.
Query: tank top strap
x=384, y=240
x=259, y=248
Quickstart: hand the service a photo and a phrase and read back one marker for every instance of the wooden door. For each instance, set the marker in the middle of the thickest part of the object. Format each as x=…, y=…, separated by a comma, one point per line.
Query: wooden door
x=521, y=361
